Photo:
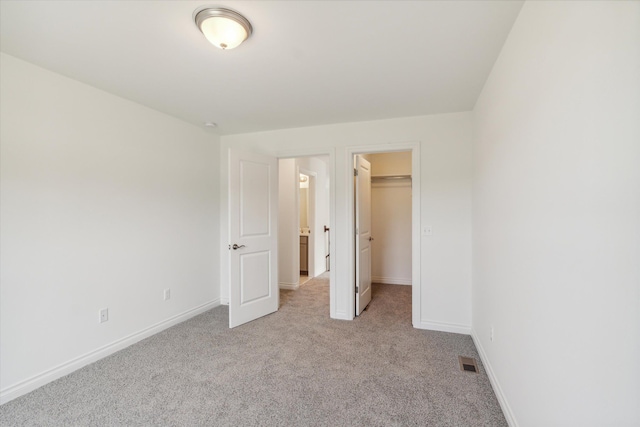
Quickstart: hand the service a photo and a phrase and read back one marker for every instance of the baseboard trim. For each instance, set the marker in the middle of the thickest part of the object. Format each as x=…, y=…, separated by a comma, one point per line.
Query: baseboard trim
x=502, y=399
x=37, y=381
x=289, y=286
x=443, y=327
x=390, y=280
x=224, y=301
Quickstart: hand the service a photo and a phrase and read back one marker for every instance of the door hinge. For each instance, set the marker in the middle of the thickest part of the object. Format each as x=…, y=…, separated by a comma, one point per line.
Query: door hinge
x=355, y=172
x=356, y=289
x=356, y=231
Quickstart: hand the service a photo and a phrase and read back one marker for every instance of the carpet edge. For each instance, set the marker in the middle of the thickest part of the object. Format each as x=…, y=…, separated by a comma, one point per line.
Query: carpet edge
x=23, y=387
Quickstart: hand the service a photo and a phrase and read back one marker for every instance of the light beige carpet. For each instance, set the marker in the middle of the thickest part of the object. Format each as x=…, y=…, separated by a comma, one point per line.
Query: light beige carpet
x=295, y=367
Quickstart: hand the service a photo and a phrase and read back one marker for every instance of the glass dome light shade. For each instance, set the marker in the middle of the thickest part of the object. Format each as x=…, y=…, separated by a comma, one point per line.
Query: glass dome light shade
x=224, y=28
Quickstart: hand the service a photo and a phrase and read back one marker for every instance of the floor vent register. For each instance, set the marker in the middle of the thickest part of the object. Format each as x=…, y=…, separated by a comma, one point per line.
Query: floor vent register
x=468, y=364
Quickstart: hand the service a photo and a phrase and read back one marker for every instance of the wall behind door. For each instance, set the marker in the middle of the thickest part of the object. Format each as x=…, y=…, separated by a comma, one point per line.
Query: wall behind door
x=445, y=158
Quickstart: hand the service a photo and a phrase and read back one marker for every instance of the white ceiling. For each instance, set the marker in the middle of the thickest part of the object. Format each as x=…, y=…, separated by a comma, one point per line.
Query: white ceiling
x=307, y=63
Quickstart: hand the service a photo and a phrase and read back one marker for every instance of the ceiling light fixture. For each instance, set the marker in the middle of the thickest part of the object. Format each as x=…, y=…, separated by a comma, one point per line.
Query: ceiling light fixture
x=224, y=28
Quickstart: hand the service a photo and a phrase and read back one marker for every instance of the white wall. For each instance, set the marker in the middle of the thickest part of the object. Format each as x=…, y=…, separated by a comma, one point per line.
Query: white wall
x=320, y=204
x=103, y=203
x=556, y=225
x=398, y=163
x=288, y=230
x=391, y=219
x=445, y=149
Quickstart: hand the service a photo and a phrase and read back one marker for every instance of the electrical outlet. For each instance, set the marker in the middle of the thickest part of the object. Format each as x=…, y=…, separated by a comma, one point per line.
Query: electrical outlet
x=491, y=334
x=104, y=315
x=427, y=230
x=167, y=294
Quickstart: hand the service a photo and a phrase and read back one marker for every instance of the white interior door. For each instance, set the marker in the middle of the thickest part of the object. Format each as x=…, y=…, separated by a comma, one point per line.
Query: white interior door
x=363, y=233
x=253, y=243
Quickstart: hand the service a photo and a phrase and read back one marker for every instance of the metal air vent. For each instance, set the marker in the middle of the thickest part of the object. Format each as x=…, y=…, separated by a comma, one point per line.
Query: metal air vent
x=468, y=364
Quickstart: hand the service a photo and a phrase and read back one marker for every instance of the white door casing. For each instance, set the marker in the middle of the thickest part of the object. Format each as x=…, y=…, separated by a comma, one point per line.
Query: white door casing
x=363, y=233
x=253, y=231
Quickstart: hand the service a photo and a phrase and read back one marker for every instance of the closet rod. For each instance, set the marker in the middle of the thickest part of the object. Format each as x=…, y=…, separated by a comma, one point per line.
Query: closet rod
x=390, y=177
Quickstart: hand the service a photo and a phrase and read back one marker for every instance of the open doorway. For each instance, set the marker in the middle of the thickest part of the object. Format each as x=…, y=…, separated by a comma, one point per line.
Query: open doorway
x=383, y=225
x=253, y=224
x=303, y=220
x=305, y=223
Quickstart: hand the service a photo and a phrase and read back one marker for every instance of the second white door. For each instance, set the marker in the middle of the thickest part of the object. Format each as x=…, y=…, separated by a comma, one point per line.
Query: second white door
x=363, y=233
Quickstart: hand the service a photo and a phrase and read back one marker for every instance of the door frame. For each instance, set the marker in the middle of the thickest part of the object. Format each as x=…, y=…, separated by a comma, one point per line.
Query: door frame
x=416, y=284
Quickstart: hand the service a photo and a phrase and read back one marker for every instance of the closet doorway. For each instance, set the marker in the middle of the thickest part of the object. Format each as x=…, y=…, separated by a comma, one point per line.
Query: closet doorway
x=383, y=223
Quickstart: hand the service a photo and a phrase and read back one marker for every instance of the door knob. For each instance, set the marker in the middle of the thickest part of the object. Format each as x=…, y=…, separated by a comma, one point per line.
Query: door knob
x=236, y=247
